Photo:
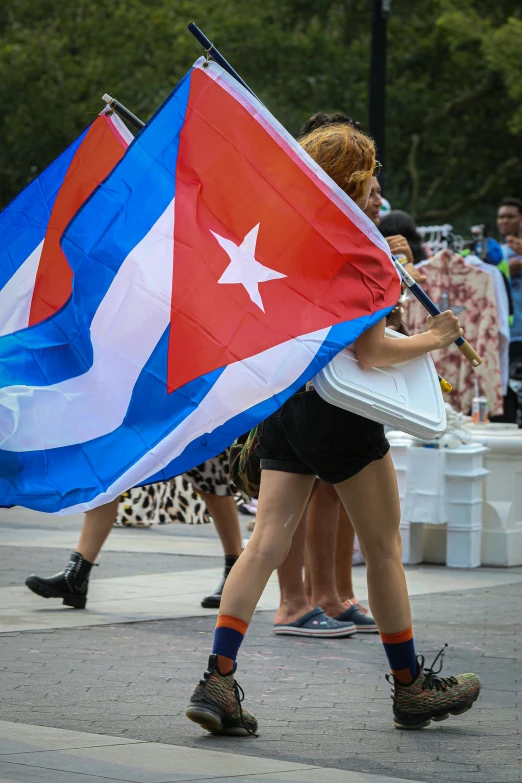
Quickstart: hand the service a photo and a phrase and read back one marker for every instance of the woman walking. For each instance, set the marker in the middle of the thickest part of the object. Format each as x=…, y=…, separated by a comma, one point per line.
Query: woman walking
x=309, y=438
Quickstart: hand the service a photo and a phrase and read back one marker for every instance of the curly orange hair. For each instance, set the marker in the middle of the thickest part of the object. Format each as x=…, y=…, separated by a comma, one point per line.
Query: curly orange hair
x=346, y=154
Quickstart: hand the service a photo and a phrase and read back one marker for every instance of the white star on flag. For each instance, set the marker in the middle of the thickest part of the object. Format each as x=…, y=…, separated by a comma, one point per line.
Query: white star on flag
x=243, y=267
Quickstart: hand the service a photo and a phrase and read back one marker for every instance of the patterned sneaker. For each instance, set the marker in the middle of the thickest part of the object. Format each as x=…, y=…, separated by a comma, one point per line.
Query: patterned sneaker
x=216, y=704
x=430, y=697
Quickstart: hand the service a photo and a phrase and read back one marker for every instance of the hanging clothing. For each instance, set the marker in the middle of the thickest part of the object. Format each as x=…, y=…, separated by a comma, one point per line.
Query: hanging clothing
x=503, y=314
x=470, y=293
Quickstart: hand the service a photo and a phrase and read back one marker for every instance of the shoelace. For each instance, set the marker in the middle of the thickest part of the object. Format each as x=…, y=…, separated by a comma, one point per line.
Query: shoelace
x=431, y=678
x=240, y=695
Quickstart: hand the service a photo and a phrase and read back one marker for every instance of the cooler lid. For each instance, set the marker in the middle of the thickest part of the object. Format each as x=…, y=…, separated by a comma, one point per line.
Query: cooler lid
x=406, y=396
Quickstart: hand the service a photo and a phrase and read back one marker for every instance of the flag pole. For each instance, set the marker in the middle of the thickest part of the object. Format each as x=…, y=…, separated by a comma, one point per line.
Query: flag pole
x=464, y=347
x=211, y=51
x=123, y=112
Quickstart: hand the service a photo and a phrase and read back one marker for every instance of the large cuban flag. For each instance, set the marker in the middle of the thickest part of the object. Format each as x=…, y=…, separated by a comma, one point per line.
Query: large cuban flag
x=216, y=270
x=35, y=278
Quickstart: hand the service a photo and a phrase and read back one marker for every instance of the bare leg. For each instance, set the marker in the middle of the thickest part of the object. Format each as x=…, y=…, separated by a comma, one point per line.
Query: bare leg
x=344, y=557
x=97, y=524
x=371, y=499
x=223, y=510
x=307, y=579
x=344, y=554
x=294, y=603
x=282, y=502
x=323, y=519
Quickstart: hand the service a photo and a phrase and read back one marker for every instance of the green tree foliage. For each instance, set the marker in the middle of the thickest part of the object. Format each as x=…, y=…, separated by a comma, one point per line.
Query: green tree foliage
x=454, y=81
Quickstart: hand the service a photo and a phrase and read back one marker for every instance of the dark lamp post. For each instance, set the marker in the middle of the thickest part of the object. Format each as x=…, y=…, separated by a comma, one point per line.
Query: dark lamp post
x=377, y=119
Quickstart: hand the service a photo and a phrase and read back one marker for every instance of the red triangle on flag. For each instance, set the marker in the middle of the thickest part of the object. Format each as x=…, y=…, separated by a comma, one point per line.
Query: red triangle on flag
x=94, y=159
x=232, y=176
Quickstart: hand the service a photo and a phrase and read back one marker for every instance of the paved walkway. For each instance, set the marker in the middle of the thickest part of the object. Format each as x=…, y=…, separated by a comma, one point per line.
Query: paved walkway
x=60, y=756
x=95, y=695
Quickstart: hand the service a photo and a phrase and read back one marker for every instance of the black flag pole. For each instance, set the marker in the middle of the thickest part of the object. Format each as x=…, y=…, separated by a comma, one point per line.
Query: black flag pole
x=123, y=112
x=211, y=51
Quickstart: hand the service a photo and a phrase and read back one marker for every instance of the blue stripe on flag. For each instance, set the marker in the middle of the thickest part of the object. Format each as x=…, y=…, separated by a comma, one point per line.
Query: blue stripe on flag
x=60, y=347
x=59, y=478
x=23, y=223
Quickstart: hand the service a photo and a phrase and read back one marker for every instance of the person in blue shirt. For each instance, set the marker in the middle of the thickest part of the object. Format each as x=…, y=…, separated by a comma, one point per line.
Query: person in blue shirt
x=509, y=224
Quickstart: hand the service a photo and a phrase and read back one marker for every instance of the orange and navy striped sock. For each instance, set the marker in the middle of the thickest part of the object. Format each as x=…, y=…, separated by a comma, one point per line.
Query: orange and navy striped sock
x=400, y=651
x=228, y=636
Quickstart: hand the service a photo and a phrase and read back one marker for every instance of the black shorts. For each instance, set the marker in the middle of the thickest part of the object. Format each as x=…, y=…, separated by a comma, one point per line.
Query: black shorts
x=308, y=435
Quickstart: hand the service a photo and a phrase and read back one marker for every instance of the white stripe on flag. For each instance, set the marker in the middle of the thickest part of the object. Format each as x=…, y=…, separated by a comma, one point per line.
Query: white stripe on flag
x=17, y=294
x=125, y=331
x=120, y=128
x=240, y=386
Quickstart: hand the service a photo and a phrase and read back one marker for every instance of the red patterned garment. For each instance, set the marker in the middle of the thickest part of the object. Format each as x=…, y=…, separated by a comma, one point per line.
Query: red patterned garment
x=470, y=294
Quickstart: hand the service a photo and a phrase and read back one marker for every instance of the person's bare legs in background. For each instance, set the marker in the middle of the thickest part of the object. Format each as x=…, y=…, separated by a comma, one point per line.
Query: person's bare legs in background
x=224, y=513
x=300, y=600
x=323, y=522
x=329, y=525
x=294, y=602
x=344, y=554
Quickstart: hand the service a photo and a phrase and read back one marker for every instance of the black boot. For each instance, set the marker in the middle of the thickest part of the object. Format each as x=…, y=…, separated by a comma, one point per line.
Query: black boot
x=213, y=601
x=71, y=585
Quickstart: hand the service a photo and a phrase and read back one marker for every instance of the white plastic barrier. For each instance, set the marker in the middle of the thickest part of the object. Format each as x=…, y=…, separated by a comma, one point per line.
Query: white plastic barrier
x=463, y=495
x=441, y=501
x=502, y=507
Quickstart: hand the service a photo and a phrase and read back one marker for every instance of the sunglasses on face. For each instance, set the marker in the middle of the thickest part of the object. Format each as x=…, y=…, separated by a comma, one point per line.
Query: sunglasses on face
x=377, y=169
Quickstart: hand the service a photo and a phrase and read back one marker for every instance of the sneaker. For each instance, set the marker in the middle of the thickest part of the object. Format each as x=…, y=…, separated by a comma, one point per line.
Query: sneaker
x=216, y=704
x=430, y=697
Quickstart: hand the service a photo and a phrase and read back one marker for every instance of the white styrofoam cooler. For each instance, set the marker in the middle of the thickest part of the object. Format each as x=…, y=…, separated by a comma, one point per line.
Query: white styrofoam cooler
x=406, y=396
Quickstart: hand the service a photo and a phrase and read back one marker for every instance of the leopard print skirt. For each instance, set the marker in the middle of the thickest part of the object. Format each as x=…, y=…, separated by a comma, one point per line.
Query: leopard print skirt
x=177, y=500
x=213, y=476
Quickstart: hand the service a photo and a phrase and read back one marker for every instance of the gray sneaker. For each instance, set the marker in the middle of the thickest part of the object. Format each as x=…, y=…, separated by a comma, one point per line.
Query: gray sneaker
x=216, y=704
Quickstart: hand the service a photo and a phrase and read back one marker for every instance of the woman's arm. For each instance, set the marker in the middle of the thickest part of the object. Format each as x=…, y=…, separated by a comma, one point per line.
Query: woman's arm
x=376, y=349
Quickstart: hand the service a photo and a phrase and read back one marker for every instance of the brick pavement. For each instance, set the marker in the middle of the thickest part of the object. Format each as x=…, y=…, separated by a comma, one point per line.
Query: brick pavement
x=318, y=702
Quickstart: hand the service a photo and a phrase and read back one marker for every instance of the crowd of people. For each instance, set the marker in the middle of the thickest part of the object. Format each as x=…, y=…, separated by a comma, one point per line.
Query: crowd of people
x=326, y=475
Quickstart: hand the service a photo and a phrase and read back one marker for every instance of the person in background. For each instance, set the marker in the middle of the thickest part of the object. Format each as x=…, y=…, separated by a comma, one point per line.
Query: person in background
x=210, y=480
x=315, y=607
x=326, y=527
x=509, y=224
x=321, y=118
x=400, y=231
x=375, y=201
